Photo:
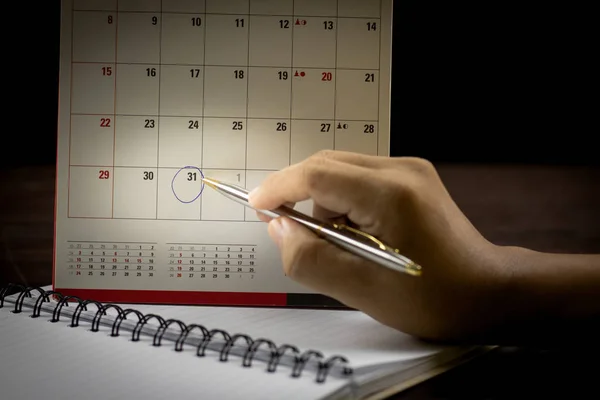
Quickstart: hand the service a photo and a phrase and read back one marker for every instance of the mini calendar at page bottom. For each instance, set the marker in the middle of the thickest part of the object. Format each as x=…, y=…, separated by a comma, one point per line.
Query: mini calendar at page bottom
x=155, y=94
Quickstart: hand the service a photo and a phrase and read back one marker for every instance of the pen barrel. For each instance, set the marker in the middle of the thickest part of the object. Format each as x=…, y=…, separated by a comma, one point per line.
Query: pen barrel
x=361, y=246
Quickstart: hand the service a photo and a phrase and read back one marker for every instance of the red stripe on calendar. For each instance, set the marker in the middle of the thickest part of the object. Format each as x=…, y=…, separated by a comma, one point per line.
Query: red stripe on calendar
x=178, y=298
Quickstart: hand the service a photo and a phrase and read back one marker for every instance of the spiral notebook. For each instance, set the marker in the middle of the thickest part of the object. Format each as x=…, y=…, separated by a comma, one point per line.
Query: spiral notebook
x=55, y=346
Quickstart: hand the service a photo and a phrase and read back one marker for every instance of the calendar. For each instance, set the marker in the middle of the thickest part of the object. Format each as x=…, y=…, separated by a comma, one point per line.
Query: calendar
x=155, y=95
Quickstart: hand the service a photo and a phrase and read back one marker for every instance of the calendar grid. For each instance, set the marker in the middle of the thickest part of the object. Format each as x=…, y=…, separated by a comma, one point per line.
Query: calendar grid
x=327, y=113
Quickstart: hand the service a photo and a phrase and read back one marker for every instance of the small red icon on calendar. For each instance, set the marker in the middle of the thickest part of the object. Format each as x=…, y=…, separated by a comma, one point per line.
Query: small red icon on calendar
x=300, y=74
x=300, y=22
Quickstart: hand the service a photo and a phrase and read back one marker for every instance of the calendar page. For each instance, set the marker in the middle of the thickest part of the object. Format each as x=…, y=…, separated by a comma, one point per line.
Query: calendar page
x=155, y=95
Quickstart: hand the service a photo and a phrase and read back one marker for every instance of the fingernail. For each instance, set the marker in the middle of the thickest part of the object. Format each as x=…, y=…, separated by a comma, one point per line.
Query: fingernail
x=253, y=193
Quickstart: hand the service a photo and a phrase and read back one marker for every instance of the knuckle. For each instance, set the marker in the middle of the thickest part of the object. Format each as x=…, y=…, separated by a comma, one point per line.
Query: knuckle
x=314, y=172
x=325, y=154
x=414, y=174
x=420, y=166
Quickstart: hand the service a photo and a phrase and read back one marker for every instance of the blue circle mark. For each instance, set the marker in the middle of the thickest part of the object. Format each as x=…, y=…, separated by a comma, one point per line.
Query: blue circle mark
x=173, y=184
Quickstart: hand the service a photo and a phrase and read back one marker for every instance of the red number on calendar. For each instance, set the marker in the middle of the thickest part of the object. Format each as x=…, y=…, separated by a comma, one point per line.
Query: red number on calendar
x=105, y=122
x=107, y=71
x=104, y=175
x=327, y=76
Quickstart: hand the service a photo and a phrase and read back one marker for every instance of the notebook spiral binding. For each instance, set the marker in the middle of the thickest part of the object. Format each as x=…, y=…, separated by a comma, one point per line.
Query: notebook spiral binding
x=276, y=353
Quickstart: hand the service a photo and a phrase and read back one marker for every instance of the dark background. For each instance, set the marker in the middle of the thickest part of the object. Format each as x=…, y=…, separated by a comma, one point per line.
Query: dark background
x=473, y=81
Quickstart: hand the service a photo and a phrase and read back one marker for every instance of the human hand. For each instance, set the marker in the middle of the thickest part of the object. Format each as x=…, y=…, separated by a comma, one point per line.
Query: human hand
x=403, y=202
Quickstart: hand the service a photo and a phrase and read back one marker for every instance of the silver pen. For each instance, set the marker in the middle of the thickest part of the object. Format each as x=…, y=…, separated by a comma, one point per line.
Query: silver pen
x=353, y=240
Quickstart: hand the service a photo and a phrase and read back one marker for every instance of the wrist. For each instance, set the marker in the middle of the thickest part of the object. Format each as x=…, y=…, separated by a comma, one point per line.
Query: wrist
x=477, y=304
x=545, y=296
x=556, y=285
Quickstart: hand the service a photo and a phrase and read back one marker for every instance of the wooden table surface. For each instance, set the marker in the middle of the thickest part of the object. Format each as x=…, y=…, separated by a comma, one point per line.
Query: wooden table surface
x=547, y=208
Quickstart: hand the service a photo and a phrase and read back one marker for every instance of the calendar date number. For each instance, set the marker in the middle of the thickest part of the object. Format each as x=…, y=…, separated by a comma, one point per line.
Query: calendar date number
x=212, y=261
x=111, y=260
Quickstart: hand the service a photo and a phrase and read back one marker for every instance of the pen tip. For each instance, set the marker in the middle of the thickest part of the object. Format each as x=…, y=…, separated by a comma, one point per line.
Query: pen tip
x=210, y=182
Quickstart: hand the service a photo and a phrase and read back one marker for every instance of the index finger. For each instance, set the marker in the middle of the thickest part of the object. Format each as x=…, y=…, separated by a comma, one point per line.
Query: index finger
x=340, y=187
x=359, y=159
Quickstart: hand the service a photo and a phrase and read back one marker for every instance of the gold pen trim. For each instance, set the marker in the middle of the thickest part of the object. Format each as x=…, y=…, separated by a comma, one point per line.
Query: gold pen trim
x=363, y=234
x=410, y=266
x=210, y=184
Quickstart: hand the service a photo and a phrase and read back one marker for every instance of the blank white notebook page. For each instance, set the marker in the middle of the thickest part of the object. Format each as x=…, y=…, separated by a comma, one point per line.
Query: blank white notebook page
x=352, y=334
x=44, y=360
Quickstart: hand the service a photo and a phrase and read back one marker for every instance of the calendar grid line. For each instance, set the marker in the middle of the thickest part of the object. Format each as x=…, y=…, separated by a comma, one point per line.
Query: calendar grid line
x=241, y=220
x=292, y=85
x=335, y=88
x=158, y=107
x=220, y=117
x=247, y=98
x=203, y=105
x=168, y=167
x=293, y=15
x=124, y=263
x=72, y=51
x=287, y=67
x=210, y=258
x=112, y=181
x=379, y=78
x=209, y=244
x=214, y=272
x=111, y=242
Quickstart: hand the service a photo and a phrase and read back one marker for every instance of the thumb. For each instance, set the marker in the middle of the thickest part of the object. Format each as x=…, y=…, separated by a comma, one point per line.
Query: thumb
x=320, y=265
